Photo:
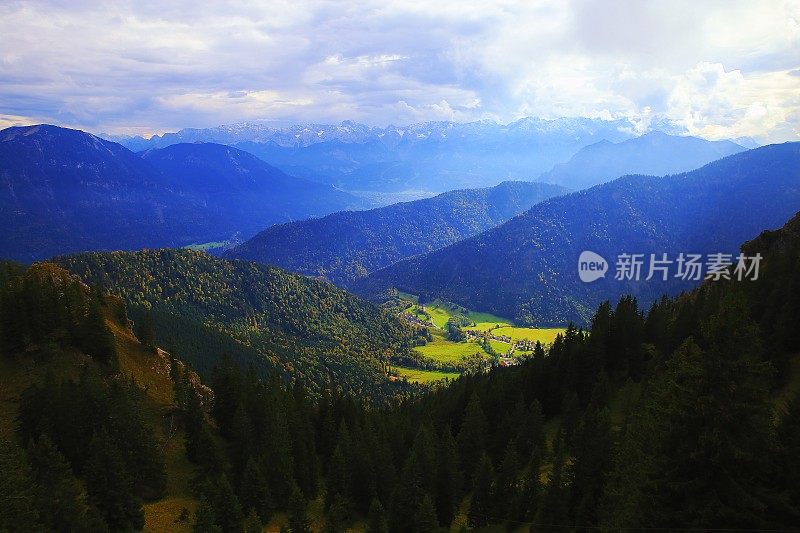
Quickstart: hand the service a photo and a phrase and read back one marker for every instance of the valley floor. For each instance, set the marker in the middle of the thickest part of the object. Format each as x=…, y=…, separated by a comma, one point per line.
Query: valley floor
x=489, y=340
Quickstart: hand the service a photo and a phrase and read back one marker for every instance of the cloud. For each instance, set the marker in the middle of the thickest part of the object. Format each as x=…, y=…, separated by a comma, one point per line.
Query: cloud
x=720, y=68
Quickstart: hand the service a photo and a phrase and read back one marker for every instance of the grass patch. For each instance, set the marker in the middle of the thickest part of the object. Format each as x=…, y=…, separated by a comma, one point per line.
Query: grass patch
x=440, y=349
x=543, y=335
x=500, y=348
x=424, y=376
x=205, y=246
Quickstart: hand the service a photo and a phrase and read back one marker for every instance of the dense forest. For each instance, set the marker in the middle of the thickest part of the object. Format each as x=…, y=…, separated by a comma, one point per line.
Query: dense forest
x=348, y=245
x=525, y=269
x=86, y=455
x=276, y=321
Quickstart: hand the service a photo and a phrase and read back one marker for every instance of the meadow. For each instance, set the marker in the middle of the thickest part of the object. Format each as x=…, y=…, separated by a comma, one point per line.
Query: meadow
x=445, y=351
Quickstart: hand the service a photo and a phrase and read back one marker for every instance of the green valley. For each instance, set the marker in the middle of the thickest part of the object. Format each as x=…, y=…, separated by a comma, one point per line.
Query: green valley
x=458, y=339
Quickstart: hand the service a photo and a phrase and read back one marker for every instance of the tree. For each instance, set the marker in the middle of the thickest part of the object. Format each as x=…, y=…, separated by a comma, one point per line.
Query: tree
x=205, y=518
x=376, y=519
x=60, y=499
x=472, y=435
x=449, y=478
x=507, y=490
x=298, y=518
x=227, y=508
x=698, y=454
x=254, y=491
x=18, y=510
x=483, y=495
x=147, y=332
x=110, y=485
x=425, y=516
x=591, y=462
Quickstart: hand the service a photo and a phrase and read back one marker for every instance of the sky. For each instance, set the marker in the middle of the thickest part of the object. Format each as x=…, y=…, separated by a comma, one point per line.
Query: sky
x=719, y=69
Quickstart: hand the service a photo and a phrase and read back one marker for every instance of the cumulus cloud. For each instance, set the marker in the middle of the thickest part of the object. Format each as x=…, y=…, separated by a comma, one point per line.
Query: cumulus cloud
x=718, y=68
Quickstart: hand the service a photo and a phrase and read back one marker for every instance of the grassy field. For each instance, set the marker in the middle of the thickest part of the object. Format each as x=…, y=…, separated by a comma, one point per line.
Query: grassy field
x=543, y=335
x=205, y=246
x=500, y=348
x=424, y=376
x=446, y=351
x=440, y=349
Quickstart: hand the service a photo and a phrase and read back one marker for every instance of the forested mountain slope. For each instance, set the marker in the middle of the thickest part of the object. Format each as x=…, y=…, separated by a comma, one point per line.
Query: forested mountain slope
x=64, y=190
x=302, y=329
x=652, y=154
x=346, y=246
x=245, y=192
x=527, y=267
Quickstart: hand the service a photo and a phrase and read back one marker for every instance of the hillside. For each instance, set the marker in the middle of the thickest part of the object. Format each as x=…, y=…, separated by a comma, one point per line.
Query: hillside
x=527, y=267
x=243, y=191
x=53, y=356
x=64, y=190
x=346, y=246
x=203, y=307
x=653, y=154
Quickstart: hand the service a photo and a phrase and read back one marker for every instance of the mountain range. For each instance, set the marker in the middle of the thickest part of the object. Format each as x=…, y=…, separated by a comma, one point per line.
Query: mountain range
x=346, y=246
x=527, y=267
x=64, y=190
x=442, y=156
x=652, y=154
x=431, y=156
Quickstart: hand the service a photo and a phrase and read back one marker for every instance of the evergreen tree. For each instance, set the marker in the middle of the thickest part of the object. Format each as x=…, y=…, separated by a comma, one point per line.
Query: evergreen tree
x=110, y=486
x=227, y=509
x=254, y=492
x=591, y=462
x=252, y=524
x=483, y=495
x=18, y=510
x=146, y=331
x=205, y=518
x=425, y=520
x=59, y=495
x=376, y=519
x=698, y=454
x=298, y=518
x=449, y=478
x=472, y=435
x=508, y=489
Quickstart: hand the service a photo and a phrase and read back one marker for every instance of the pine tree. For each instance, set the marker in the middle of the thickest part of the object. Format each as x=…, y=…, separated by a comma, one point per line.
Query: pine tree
x=699, y=452
x=60, y=498
x=252, y=524
x=449, y=478
x=254, y=492
x=591, y=453
x=376, y=519
x=205, y=518
x=110, y=486
x=472, y=435
x=483, y=495
x=553, y=508
x=507, y=490
x=228, y=510
x=18, y=510
x=146, y=331
x=298, y=518
x=425, y=519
